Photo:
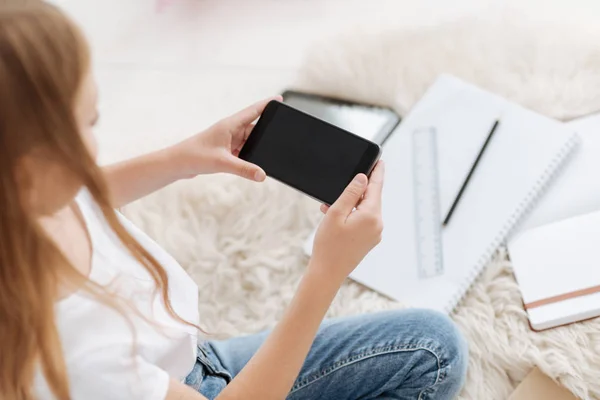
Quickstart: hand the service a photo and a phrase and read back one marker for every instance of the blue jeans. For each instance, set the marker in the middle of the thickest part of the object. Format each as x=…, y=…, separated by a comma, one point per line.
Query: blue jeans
x=405, y=354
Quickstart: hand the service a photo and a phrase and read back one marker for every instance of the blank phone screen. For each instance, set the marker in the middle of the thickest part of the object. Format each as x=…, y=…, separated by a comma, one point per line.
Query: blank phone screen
x=313, y=156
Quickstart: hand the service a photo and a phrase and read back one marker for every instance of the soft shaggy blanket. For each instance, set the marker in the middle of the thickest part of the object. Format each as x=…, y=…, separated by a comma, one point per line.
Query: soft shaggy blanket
x=242, y=241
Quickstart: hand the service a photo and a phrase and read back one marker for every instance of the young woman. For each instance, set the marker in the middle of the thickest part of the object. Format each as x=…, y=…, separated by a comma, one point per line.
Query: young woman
x=91, y=308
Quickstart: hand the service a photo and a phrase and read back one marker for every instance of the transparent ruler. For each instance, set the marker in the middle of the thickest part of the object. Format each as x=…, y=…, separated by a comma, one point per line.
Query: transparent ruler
x=428, y=223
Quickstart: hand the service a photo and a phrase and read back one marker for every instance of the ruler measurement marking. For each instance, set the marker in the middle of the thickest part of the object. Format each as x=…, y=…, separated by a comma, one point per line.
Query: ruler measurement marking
x=427, y=203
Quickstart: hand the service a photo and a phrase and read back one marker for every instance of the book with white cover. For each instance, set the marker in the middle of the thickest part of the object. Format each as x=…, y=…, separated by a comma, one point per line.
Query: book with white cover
x=556, y=266
x=523, y=157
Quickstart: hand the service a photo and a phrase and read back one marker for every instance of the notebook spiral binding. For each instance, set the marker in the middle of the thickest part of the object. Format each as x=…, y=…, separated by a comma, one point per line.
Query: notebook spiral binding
x=522, y=208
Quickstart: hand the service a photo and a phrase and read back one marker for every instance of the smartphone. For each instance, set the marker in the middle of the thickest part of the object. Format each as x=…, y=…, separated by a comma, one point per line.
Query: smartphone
x=306, y=153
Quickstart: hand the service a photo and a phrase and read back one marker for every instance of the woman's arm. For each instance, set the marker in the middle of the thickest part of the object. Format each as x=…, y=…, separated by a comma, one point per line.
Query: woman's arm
x=271, y=373
x=344, y=237
x=211, y=151
x=342, y=240
x=133, y=179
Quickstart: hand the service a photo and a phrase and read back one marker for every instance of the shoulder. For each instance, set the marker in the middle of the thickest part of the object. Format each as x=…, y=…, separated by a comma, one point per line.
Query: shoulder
x=88, y=206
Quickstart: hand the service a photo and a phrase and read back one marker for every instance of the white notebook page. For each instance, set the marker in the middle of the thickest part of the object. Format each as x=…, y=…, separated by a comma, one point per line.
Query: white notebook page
x=524, y=153
x=577, y=190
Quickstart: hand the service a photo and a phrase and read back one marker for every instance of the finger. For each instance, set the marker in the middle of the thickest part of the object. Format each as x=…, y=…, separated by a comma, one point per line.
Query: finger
x=372, y=197
x=324, y=208
x=245, y=169
x=236, y=151
x=250, y=114
x=247, y=132
x=350, y=197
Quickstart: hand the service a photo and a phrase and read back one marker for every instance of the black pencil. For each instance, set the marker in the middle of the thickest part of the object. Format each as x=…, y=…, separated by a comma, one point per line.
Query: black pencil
x=466, y=182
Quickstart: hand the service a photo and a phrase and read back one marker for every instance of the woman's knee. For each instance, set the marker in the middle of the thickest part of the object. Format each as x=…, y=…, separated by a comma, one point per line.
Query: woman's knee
x=450, y=345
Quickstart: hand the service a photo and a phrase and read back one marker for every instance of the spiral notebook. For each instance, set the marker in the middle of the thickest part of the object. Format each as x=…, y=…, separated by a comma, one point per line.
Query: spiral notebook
x=526, y=152
x=577, y=189
x=563, y=253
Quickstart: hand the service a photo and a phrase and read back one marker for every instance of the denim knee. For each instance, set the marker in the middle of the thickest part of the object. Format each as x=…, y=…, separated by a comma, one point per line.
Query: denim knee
x=441, y=330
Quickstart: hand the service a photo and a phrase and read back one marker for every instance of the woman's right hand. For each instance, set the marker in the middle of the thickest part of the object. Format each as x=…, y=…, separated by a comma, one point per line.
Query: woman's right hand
x=351, y=228
x=342, y=240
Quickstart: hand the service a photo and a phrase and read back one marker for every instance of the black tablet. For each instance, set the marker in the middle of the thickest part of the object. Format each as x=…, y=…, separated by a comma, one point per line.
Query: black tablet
x=371, y=122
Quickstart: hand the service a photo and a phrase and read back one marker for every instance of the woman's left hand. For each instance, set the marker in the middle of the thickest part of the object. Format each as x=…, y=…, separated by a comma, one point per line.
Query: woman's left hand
x=217, y=148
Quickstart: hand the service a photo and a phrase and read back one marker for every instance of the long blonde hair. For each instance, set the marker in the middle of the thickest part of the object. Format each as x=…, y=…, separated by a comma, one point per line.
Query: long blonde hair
x=43, y=61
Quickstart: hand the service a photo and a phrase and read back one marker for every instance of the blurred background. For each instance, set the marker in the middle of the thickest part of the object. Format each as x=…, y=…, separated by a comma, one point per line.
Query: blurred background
x=167, y=71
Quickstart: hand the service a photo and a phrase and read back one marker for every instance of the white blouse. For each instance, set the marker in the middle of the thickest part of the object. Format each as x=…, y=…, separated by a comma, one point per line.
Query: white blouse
x=105, y=358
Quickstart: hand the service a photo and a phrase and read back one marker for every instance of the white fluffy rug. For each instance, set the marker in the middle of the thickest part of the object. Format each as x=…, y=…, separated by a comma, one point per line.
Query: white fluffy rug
x=242, y=241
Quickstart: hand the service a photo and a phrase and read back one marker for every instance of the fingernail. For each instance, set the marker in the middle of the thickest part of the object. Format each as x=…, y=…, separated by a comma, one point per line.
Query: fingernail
x=360, y=180
x=259, y=175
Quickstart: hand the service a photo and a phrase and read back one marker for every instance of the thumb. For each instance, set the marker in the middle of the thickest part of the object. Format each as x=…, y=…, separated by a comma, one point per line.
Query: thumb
x=350, y=197
x=246, y=169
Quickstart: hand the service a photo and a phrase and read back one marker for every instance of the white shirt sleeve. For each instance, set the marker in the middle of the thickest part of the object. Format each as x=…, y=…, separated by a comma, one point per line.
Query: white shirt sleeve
x=117, y=375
